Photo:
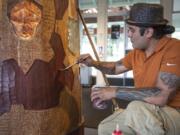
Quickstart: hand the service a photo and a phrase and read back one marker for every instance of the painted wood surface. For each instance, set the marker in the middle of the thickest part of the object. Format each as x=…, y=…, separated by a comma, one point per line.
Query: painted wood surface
x=44, y=100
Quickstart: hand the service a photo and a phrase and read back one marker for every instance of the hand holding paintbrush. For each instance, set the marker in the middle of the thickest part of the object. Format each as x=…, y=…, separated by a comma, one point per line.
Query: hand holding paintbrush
x=84, y=59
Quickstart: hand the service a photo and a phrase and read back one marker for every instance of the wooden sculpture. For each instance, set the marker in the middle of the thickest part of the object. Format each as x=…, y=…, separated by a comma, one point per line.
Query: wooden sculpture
x=36, y=97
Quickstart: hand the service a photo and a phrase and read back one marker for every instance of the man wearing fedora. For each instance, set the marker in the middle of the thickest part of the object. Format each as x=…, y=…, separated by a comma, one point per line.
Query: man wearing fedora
x=154, y=107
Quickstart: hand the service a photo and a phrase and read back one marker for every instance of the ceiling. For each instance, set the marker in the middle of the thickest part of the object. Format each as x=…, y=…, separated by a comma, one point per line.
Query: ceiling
x=86, y=4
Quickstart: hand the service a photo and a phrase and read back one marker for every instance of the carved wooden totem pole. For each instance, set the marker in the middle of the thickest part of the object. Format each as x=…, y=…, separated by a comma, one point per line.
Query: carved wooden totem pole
x=37, y=38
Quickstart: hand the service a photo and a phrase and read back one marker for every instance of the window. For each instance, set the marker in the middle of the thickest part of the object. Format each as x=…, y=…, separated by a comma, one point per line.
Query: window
x=85, y=46
x=176, y=6
x=116, y=48
x=176, y=19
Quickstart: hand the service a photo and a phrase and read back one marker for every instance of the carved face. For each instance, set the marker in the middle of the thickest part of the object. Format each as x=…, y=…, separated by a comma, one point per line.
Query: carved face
x=25, y=17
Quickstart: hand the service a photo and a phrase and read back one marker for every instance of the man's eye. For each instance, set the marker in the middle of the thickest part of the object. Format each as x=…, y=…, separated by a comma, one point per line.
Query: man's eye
x=131, y=30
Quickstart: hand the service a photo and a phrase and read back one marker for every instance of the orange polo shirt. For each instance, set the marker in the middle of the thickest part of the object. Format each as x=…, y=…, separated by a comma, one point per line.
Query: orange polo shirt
x=166, y=58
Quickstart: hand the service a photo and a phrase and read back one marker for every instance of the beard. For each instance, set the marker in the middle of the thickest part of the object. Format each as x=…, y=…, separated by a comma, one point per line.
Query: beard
x=139, y=46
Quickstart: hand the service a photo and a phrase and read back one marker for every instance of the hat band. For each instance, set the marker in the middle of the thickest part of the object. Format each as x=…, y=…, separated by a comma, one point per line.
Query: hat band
x=163, y=22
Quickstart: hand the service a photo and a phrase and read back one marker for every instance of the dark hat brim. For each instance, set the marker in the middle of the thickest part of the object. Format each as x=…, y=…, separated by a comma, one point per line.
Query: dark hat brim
x=145, y=24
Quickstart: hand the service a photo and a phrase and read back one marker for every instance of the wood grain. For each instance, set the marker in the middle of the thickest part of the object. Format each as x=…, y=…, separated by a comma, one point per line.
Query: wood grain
x=61, y=6
x=45, y=100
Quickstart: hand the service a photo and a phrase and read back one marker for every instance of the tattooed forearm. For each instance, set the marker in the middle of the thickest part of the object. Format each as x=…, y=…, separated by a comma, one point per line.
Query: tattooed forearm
x=135, y=94
x=119, y=63
x=171, y=80
x=106, y=67
x=159, y=95
x=110, y=67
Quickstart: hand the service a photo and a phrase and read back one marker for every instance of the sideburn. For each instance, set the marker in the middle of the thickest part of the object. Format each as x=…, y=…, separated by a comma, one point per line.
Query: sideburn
x=142, y=30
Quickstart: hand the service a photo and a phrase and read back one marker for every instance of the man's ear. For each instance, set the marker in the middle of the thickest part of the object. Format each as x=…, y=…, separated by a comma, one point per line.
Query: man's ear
x=149, y=32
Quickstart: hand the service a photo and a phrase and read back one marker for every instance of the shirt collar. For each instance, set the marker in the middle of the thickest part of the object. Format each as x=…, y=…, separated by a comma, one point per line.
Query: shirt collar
x=161, y=43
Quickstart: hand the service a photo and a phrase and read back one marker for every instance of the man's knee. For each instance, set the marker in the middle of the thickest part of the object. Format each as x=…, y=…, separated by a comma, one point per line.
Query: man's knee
x=100, y=129
x=136, y=105
x=104, y=129
x=137, y=110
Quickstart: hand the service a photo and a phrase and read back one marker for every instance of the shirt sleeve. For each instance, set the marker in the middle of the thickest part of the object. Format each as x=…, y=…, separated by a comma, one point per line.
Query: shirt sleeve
x=127, y=60
x=171, y=60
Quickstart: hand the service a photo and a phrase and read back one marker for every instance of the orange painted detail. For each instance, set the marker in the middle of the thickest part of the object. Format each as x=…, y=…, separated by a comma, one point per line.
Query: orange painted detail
x=25, y=16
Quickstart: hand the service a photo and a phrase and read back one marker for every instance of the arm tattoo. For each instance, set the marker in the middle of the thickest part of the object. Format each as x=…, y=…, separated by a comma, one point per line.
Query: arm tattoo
x=171, y=80
x=106, y=67
x=131, y=94
x=119, y=63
